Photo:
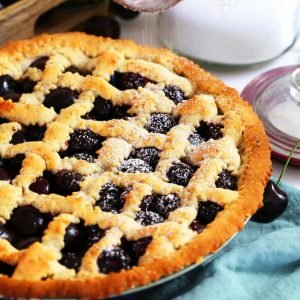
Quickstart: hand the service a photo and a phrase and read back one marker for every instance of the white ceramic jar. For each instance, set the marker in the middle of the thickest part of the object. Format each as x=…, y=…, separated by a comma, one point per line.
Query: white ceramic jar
x=232, y=32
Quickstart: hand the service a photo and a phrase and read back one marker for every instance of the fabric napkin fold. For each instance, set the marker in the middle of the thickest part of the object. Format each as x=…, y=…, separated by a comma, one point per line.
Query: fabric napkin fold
x=262, y=262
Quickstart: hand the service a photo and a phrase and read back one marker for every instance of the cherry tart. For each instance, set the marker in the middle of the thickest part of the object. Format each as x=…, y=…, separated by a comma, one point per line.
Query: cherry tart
x=119, y=164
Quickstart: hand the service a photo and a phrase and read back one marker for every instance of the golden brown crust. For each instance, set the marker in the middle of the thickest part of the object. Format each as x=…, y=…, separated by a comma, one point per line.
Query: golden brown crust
x=244, y=138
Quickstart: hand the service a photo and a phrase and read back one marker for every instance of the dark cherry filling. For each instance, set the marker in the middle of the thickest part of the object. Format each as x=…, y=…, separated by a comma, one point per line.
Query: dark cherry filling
x=112, y=198
x=26, y=226
x=11, y=89
x=67, y=182
x=160, y=123
x=7, y=84
x=6, y=269
x=114, y=260
x=28, y=134
x=128, y=80
x=135, y=165
x=64, y=183
x=84, y=140
x=83, y=144
x=227, y=181
x=40, y=63
x=74, y=69
x=156, y=208
x=13, y=96
x=27, y=85
x=6, y=233
x=40, y=186
x=74, y=238
x=78, y=239
x=180, y=173
x=124, y=257
x=136, y=249
x=104, y=110
x=60, y=98
x=205, y=132
x=28, y=221
x=196, y=139
x=207, y=212
x=71, y=260
x=149, y=155
x=174, y=93
x=10, y=168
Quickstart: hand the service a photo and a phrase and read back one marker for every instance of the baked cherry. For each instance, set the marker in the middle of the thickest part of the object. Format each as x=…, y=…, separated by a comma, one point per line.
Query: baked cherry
x=40, y=63
x=74, y=69
x=94, y=235
x=226, y=181
x=150, y=155
x=10, y=168
x=111, y=198
x=102, y=26
x=207, y=211
x=136, y=249
x=148, y=218
x=71, y=260
x=180, y=173
x=135, y=165
x=7, y=84
x=60, y=98
x=196, y=139
x=213, y=131
x=129, y=80
x=121, y=111
x=18, y=137
x=75, y=236
x=160, y=123
x=15, y=163
x=28, y=134
x=5, y=233
x=13, y=96
x=27, y=85
x=166, y=203
x=197, y=226
x=147, y=203
x=40, y=186
x=83, y=140
x=35, y=132
x=102, y=110
x=113, y=260
x=6, y=175
x=28, y=221
x=68, y=181
x=174, y=93
x=23, y=243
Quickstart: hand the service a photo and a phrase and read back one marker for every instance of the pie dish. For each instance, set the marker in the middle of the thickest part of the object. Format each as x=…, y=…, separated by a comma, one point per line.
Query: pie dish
x=120, y=164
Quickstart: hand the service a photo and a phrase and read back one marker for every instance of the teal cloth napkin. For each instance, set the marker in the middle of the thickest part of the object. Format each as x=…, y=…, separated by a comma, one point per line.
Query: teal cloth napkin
x=262, y=262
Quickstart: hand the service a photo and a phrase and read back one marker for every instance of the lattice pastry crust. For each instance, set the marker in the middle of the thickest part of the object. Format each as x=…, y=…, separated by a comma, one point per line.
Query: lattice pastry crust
x=241, y=148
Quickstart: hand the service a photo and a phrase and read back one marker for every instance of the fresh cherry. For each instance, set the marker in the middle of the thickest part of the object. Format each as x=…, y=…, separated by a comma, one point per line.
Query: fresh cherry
x=275, y=200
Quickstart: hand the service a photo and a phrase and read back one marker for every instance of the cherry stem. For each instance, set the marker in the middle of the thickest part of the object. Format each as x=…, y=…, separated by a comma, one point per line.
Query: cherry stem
x=287, y=162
